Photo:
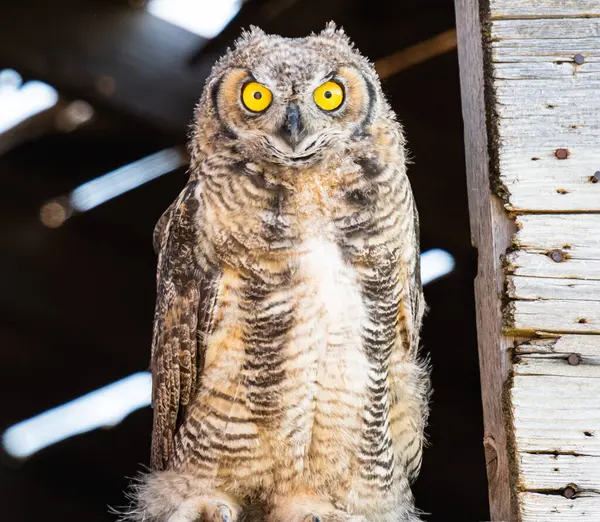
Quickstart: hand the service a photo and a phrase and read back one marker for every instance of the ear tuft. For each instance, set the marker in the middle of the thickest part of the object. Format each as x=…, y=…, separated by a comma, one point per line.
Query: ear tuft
x=250, y=34
x=333, y=32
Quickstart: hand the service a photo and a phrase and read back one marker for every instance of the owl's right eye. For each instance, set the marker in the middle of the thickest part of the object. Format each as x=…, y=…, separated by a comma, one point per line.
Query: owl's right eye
x=256, y=97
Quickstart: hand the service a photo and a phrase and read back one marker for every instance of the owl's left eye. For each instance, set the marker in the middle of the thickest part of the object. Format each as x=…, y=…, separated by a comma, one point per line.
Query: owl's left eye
x=256, y=97
x=329, y=96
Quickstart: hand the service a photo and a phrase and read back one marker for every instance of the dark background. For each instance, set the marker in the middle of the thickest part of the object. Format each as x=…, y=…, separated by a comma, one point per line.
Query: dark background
x=76, y=302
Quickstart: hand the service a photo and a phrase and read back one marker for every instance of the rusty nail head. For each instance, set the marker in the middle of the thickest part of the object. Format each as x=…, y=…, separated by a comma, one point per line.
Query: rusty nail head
x=561, y=153
x=569, y=492
x=579, y=59
x=596, y=177
x=557, y=256
x=574, y=359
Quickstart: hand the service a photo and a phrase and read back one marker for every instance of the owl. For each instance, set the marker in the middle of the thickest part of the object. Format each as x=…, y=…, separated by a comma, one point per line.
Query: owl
x=287, y=383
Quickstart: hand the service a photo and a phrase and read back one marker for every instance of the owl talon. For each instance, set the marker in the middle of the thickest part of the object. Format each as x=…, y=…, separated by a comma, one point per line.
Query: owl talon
x=222, y=514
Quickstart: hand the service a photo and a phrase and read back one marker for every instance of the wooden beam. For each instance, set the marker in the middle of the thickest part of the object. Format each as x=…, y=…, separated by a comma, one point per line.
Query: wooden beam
x=542, y=81
x=110, y=54
x=416, y=54
x=491, y=231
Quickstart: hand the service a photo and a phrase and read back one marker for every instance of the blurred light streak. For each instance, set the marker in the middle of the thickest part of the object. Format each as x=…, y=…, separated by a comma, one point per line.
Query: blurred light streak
x=106, y=406
x=206, y=18
x=19, y=102
x=126, y=178
x=110, y=405
x=435, y=263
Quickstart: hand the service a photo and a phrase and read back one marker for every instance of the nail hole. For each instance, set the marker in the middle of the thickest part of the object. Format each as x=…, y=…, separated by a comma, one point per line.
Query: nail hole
x=562, y=191
x=582, y=321
x=588, y=433
x=596, y=177
x=550, y=106
x=555, y=469
x=535, y=159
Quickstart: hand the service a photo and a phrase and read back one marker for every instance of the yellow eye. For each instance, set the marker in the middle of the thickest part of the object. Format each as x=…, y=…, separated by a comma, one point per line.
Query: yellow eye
x=329, y=96
x=256, y=97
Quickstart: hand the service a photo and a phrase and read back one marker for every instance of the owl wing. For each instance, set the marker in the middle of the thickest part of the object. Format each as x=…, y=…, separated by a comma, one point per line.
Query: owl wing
x=159, y=228
x=184, y=292
x=412, y=306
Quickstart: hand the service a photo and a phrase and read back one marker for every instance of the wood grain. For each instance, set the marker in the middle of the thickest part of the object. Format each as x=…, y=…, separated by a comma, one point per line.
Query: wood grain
x=535, y=288
x=556, y=472
x=556, y=416
x=544, y=8
x=546, y=101
x=491, y=231
x=554, y=413
x=576, y=235
x=540, y=265
x=537, y=507
x=585, y=345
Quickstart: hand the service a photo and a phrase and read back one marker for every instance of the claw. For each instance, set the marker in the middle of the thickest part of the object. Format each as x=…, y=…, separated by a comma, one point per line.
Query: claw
x=224, y=513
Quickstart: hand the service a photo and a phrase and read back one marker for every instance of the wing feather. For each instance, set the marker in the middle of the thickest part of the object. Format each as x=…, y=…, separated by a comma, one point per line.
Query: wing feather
x=182, y=293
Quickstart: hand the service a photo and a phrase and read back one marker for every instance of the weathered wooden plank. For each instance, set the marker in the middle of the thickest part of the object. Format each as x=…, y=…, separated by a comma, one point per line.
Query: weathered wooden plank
x=538, y=507
x=535, y=288
x=551, y=106
x=577, y=235
x=545, y=72
x=556, y=414
x=556, y=472
x=585, y=345
x=553, y=316
x=540, y=265
x=556, y=366
x=491, y=231
x=543, y=29
x=543, y=8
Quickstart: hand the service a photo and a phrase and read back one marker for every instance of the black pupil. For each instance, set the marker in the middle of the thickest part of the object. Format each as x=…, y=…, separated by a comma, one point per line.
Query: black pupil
x=257, y=95
x=328, y=94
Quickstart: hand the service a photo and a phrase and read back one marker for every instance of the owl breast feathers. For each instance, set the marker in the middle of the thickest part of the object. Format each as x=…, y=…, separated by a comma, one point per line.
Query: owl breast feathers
x=287, y=385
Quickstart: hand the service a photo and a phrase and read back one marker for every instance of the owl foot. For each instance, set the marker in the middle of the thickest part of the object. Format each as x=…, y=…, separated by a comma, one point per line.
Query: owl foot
x=205, y=509
x=302, y=509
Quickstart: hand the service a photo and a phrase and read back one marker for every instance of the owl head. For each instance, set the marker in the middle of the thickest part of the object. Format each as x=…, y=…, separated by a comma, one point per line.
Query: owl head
x=290, y=101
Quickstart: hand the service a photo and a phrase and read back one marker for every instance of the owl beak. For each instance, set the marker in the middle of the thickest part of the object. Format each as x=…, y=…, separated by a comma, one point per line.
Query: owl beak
x=292, y=129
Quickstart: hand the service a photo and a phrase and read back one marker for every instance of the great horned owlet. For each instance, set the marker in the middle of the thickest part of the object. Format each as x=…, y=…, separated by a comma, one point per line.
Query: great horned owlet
x=287, y=385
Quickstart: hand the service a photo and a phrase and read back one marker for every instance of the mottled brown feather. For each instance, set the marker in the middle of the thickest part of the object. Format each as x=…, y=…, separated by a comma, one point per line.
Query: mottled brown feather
x=183, y=293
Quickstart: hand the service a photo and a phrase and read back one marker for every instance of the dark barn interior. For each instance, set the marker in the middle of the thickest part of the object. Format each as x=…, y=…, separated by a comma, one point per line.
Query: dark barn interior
x=77, y=300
